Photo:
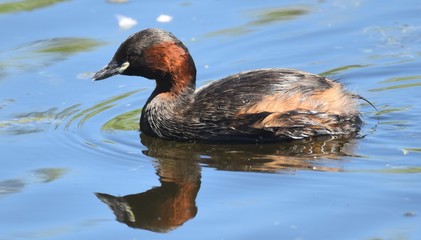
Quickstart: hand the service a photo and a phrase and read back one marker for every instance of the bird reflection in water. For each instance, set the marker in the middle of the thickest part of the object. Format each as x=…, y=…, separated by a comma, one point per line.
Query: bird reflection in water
x=162, y=208
x=178, y=165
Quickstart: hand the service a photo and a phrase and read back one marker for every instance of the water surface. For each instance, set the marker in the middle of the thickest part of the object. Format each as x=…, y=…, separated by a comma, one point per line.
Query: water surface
x=74, y=166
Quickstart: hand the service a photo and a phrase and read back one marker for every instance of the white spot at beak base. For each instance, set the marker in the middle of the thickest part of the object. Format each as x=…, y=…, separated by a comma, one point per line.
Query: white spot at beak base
x=123, y=67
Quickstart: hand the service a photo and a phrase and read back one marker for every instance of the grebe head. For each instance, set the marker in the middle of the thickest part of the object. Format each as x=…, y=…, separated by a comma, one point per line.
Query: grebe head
x=152, y=53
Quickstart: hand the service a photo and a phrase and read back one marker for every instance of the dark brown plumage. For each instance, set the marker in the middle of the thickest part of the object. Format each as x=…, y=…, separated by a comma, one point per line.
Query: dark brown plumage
x=258, y=105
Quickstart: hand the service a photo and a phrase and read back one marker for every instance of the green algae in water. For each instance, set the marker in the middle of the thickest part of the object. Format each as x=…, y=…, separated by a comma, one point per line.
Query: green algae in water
x=411, y=150
x=399, y=79
x=26, y=5
x=267, y=16
x=127, y=121
x=88, y=113
x=403, y=170
x=68, y=45
x=50, y=174
x=262, y=17
x=408, y=85
x=341, y=69
x=34, y=55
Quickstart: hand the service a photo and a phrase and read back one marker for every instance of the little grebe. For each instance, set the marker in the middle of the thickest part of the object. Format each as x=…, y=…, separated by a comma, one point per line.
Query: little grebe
x=257, y=105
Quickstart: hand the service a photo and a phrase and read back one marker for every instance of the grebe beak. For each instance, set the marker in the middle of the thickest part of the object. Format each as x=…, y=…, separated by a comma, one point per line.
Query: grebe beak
x=111, y=69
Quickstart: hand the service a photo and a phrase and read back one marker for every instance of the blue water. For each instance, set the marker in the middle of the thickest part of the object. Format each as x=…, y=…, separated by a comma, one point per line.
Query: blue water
x=64, y=138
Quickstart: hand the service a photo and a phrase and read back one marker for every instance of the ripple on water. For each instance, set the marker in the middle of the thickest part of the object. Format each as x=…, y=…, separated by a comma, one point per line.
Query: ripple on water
x=398, y=43
x=398, y=83
x=106, y=129
x=103, y=127
x=38, y=54
x=100, y=129
x=41, y=175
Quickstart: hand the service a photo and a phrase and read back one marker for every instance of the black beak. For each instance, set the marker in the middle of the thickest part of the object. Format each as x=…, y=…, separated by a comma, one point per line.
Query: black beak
x=109, y=70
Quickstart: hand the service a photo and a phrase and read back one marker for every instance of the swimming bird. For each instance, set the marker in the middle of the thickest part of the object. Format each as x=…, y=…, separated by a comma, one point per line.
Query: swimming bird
x=259, y=105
